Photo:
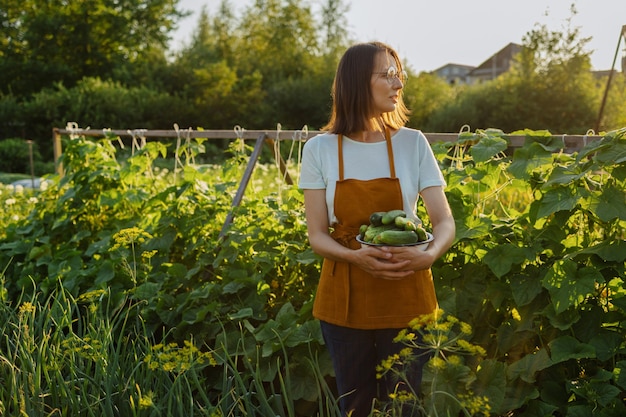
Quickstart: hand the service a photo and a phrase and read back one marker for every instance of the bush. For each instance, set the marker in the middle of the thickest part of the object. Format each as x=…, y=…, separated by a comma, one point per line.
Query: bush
x=15, y=157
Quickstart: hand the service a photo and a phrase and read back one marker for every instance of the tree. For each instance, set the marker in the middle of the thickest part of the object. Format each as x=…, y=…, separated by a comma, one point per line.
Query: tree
x=334, y=23
x=550, y=86
x=64, y=41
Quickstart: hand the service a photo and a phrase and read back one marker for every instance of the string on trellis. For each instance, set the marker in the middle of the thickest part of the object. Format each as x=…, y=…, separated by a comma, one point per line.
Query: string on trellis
x=239, y=132
x=73, y=129
x=459, y=151
x=137, y=144
x=180, y=148
x=302, y=134
x=108, y=133
x=277, y=159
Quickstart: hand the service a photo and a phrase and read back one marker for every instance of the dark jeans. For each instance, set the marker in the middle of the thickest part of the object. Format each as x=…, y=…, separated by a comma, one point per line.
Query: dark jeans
x=355, y=354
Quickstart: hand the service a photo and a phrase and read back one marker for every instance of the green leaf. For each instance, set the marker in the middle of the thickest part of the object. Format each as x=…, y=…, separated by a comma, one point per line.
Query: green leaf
x=472, y=228
x=488, y=147
x=608, y=203
x=619, y=374
x=554, y=200
x=491, y=382
x=525, y=288
x=528, y=159
x=564, y=175
x=241, y=314
x=606, y=344
x=566, y=347
x=609, y=251
x=106, y=273
x=613, y=155
x=527, y=367
x=502, y=257
x=568, y=285
x=538, y=408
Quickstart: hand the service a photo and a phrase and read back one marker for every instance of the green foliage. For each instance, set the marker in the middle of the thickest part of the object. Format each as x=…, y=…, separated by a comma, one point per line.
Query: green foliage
x=537, y=270
x=15, y=155
x=99, y=104
x=134, y=228
x=57, y=41
x=539, y=262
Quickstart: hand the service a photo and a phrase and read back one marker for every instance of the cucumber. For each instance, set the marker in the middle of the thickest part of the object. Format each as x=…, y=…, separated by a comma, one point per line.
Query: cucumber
x=396, y=237
x=362, y=229
x=373, y=231
x=390, y=216
x=405, y=224
x=421, y=234
x=376, y=218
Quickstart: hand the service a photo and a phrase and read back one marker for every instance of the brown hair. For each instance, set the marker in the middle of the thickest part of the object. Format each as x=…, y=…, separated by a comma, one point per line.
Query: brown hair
x=352, y=91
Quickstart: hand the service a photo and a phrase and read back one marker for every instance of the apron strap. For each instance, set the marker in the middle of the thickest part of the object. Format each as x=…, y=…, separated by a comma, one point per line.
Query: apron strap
x=340, y=155
x=392, y=166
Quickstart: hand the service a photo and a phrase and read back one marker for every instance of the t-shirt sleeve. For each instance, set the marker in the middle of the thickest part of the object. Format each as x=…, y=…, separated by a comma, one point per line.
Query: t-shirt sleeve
x=430, y=174
x=311, y=176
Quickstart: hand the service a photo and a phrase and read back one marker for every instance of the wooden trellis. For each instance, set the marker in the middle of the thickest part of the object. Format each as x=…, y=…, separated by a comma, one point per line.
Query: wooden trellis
x=572, y=143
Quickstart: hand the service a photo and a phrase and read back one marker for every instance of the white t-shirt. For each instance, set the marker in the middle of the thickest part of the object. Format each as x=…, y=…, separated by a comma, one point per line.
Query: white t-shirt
x=415, y=164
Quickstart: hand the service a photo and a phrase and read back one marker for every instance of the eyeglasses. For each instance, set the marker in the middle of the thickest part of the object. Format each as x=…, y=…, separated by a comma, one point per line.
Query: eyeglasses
x=392, y=73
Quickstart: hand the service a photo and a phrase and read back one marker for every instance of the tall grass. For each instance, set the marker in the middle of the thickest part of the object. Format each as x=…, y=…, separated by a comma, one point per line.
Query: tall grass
x=93, y=356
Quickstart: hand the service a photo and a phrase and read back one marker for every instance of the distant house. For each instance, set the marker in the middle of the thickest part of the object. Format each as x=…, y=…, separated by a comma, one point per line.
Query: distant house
x=497, y=64
x=454, y=73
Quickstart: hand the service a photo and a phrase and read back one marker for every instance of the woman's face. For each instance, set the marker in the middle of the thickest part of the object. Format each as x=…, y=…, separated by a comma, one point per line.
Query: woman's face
x=386, y=84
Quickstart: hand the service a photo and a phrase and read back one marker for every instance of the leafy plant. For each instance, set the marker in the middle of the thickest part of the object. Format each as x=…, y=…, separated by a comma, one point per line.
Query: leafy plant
x=537, y=271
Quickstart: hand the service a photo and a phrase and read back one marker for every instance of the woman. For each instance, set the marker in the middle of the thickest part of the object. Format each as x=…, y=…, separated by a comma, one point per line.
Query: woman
x=366, y=162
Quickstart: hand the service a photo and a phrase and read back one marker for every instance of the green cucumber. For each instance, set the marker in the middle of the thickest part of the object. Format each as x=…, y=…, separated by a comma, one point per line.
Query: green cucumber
x=376, y=218
x=405, y=224
x=390, y=216
x=396, y=237
x=372, y=231
x=421, y=234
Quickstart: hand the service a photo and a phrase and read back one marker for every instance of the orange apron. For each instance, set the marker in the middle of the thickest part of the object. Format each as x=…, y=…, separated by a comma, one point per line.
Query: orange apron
x=347, y=295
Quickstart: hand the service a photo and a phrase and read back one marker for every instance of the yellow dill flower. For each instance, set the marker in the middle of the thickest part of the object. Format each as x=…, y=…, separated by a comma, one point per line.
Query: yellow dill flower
x=148, y=254
x=401, y=336
x=173, y=358
x=90, y=296
x=441, y=327
x=406, y=352
x=425, y=319
x=437, y=363
x=402, y=396
x=129, y=236
x=471, y=348
x=454, y=360
x=145, y=401
x=465, y=328
x=474, y=405
x=26, y=307
x=515, y=314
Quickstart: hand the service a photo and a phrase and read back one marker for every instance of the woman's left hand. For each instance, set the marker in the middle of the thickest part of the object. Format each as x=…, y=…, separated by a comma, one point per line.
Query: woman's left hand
x=417, y=258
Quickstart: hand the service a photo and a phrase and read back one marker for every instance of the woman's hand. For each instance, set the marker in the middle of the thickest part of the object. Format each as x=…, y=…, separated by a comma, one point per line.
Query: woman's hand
x=414, y=258
x=381, y=263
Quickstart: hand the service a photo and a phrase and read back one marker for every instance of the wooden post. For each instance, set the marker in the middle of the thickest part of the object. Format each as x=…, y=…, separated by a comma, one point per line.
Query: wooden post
x=244, y=182
x=57, y=150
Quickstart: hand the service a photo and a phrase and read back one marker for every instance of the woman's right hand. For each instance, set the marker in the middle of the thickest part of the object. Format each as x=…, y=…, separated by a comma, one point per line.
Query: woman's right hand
x=380, y=264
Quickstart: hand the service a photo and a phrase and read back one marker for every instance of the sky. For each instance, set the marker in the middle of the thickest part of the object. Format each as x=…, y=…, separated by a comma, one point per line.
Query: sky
x=429, y=34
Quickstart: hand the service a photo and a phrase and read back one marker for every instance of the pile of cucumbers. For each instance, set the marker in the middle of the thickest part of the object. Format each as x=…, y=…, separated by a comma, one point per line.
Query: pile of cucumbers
x=392, y=228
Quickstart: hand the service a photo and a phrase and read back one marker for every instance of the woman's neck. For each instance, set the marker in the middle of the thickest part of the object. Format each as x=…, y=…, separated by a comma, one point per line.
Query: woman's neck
x=368, y=136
